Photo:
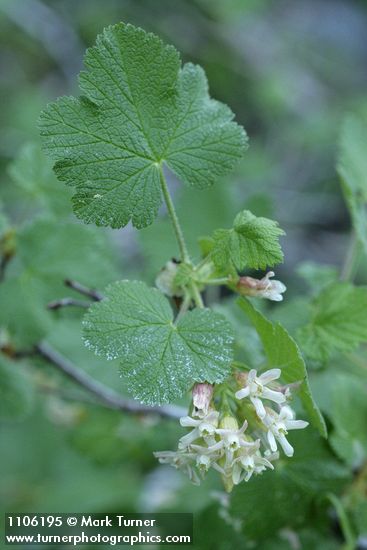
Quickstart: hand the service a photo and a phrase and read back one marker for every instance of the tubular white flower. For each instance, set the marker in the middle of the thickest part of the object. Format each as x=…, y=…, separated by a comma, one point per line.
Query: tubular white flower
x=207, y=456
x=249, y=462
x=180, y=461
x=232, y=439
x=273, y=289
x=202, y=428
x=256, y=389
x=278, y=426
x=262, y=288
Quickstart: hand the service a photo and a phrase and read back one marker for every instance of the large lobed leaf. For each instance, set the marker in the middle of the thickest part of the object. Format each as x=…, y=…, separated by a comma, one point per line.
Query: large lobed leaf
x=282, y=352
x=338, y=323
x=138, y=110
x=160, y=359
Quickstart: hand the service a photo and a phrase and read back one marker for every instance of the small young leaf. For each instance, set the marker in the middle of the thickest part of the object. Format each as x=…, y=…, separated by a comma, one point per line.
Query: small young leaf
x=139, y=109
x=184, y=275
x=282, y=352
x=160, y=359
x=252, y=242
x=339, y=321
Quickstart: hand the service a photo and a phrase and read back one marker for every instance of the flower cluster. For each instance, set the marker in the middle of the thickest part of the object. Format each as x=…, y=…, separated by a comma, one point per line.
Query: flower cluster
x=217, y=441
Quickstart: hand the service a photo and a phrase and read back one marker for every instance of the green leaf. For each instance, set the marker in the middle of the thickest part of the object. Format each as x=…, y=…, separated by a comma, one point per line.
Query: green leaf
x=67, y=250
x=286, y=496
x=252, y=242
x=32, y=173
x=23, y=314
x=47, y=253
x=184, y=275
x=317, y=276
x=160, y=358
x=282, y=352
x=139, y=109
x=352, y=168
x=338, y=323
x=348, y=413
x=16, y=391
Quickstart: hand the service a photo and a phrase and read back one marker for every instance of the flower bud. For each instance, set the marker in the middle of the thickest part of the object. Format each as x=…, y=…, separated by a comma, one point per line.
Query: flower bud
x=228, y=423
x=201, y=397
x=165, y=280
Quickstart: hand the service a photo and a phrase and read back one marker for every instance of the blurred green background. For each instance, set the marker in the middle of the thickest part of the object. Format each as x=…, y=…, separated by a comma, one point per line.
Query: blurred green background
x=290, y=70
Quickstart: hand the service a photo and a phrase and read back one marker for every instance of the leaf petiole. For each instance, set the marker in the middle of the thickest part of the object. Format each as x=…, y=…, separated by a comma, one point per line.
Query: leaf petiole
x=196, y=296
x=185, y=257
x=220, y=281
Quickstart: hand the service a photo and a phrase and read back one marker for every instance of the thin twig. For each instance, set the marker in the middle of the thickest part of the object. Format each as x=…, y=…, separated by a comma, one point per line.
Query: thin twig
x=90, y=292
x=67, y=302
x=105, y=395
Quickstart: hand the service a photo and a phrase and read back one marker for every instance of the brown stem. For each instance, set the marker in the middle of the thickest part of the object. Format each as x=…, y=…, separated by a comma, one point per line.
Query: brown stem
x=104, y=394
x=67, y=302
x=89, y=292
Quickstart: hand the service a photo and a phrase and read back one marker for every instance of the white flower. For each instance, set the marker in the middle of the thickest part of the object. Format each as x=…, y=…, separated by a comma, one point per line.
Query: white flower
x=207, y=456
x=262, y=288
x=232, y=439
x=181, y=461
x=249, y=462
x=278, y=426
x=256, y=389
x=240, y=463
x=202, y=428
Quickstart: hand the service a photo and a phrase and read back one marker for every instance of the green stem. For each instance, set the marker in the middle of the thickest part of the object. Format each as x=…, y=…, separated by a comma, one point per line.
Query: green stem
x=184, y=307
x=350, y=539
x=185, y=257
x=350, y=264
x=220, y=281
x=202, y=262
x=196, y=295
